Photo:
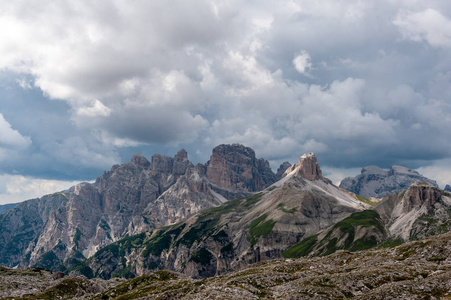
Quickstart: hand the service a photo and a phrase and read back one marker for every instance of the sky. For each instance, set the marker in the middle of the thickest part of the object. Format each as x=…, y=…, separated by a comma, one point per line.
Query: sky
x=86, y=84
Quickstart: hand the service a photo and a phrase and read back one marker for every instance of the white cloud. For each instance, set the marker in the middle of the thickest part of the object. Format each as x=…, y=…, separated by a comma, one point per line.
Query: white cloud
x=17, y=188
x=11, y=138
x=303, y=63
x=440, y=171
x=203, y=73
x=429, y=25
x=95, y=110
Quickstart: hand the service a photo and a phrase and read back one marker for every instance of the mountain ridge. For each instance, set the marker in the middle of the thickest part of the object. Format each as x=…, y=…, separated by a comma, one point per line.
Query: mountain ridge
x=237, y=233
x=133, y=197
x=376, y=182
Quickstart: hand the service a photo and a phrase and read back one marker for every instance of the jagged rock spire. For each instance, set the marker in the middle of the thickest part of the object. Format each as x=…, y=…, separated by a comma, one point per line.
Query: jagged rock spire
x=140, y=160
x=307, y=167
x=418, y=194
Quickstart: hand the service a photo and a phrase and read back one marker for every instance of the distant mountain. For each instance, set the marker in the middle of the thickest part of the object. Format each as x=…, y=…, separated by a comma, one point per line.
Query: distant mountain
x=131, y=198
x=448, y=188
x=420, y=211
x=376, y=182
x=237, y=233
x=5, y=207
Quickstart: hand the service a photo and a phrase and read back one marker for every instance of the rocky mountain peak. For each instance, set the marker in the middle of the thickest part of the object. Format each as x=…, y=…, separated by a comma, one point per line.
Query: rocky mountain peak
x=140, y=160
x=402, y=170
x=447, y=188
x=419, y=194
x=307, y=167
x=181, y=155
x=374, y=181
x=235, y=168
x=282, y=169
x=373, y=170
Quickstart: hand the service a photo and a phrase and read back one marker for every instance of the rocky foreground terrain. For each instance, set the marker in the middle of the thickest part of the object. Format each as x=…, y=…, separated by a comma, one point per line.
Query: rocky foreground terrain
x=376, y=182
x=415, y=270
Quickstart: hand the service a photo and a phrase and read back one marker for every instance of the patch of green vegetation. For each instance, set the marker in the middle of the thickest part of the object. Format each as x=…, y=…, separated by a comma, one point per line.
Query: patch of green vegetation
x=50, y=261
x=82, y=269
x=282, y=208
x=199, y=231
x=363, y=244
x=347, y=231
x=366, y=218
x=203, y=256
x=157, y=282
x=66, y=289
x=366, y=200
x=251, y=200
x=123, y=246
x=77, y=237
x=259, y=227
x=125, y=273
x=331, y=246
x=162, y=240
x=303, y=248
x=391, y=243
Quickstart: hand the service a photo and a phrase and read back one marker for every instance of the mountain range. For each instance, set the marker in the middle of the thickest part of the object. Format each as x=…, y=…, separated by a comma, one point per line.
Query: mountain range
x=131, y=198
x=376, y=182
x=302, y=214
x=216, y=218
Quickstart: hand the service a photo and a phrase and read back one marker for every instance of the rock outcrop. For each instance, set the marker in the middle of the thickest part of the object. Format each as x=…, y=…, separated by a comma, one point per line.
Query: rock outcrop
x=376, y=182
x=420, y=211
x=60, y=230
x=233, y=168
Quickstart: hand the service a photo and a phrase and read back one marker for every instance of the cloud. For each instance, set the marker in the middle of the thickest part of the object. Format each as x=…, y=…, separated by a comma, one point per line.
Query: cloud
x=96, y=110
x=303, y=63
x=11, y=138
x=430, y=26
x=101, y=80
x=17, y=188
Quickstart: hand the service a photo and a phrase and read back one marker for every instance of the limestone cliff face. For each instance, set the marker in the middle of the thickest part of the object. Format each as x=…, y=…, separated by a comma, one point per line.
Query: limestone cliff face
x=421, y=210
x=376, y=182
x=22, y=225
x=131, y=198
x=235, y=168
x=307, y=167
x=240, y=231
